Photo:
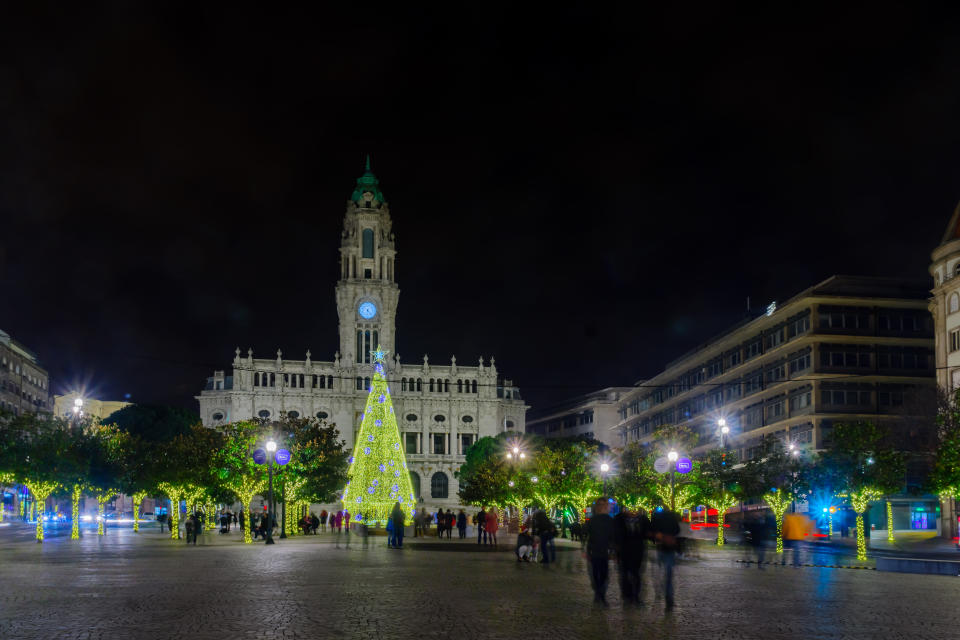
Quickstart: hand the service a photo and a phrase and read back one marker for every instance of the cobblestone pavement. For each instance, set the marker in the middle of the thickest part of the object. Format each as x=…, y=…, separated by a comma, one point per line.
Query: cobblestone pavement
x=147, y=586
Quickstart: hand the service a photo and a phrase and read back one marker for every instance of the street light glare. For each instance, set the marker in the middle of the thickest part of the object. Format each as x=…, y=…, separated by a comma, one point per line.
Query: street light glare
x=516, y=450
x=509, y=455
x=722, y=422
x=271, y=445
x=78, y=402
x=523, y=455
x=724, y=429
x=604, y=467
x=672, y=456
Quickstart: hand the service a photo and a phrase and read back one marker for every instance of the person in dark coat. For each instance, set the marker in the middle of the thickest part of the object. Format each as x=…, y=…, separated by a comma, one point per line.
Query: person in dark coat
x=666, y=531
x=543, y=526
x=479, y=520
x=397, y=518
x=599, y=534
x=631, y=529
x=462, y=524
x=243, y=518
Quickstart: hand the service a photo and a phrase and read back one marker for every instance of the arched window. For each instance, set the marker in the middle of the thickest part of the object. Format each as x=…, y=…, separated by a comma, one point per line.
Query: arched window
x=366, y=384
x=256, y=379
x=359, y=346
x=368, y=243
x=438, y=485
x=431, y=384
x=459, y=386
x=411, y=417
x=359, y=384
x=415, y=481
x=419, y=384
x=314, y=382
x=329, y=382
x=322, y=415
x=367, y=348
x=954, y=303
x=474, y=386
x=446, y=386
x=376, y=340
x=293, y=414
x=273, y=379
x=301, y=381
x=263, y=413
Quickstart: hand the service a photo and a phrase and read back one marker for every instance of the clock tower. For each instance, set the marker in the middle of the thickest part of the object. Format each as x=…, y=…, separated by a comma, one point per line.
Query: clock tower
x=367, y=291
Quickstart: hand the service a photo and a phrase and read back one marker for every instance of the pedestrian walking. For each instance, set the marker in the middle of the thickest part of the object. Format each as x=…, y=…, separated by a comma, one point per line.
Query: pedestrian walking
x=796, y=528
x=462, y=524
x=190, y=533
x=479, y=520
x=491, y=524
x=418, y=522
x=323, y=521
x=599, y=535
x=449, y=520
x=160, y=518
x=242, y=517
x=756, y=534
x=397, y=518
x=314, y=523
x=631, y=530
x=666, y=529
x=547, y=531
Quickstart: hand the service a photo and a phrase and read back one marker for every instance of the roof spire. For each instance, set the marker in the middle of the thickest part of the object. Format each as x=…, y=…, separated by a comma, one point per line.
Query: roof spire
x=367, y=183
x=368, y=162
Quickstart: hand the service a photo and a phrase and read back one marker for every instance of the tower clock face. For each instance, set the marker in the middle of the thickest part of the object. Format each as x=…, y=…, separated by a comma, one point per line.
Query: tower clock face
x=367, y=310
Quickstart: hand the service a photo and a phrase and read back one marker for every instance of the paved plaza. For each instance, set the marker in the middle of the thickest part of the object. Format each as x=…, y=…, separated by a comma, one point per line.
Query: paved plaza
x=146, y=586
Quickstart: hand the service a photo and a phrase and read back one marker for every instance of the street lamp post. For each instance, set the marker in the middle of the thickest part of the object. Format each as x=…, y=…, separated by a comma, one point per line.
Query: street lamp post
x=604, y=468
x=271, y=451
x=672, y=456
x=724, y=430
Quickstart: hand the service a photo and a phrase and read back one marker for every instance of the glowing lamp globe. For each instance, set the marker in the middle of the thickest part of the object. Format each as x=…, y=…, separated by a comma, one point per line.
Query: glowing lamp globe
x=271, y=445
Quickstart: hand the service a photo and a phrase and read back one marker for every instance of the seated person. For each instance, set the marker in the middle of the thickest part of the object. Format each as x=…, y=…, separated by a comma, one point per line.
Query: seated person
x=524, y=546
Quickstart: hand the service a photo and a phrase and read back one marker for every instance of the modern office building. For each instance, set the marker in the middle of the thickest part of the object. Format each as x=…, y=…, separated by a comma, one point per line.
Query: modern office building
x=592, y=415
x=24, y=384
x=847, y=348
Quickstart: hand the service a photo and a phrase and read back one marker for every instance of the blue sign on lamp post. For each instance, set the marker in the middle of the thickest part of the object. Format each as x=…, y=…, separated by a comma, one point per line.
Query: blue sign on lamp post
x=684, y=465
x=282, y=457
x=259, y=456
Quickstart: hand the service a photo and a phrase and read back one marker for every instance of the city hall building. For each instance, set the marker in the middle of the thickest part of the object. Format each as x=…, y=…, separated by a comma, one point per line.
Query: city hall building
x=441, y=408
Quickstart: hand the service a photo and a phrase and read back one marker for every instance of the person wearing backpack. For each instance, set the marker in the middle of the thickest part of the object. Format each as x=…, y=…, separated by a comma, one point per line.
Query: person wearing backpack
x=479, y=520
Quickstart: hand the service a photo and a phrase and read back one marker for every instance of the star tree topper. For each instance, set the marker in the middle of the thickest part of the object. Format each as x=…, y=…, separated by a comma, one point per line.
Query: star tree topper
x=379, y=355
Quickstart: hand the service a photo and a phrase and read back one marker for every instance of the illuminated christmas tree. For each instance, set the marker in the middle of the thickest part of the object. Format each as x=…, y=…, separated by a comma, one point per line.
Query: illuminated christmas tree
x=378, y=476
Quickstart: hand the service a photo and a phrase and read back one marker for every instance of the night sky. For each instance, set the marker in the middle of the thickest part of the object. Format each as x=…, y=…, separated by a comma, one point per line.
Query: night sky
x=585, y=194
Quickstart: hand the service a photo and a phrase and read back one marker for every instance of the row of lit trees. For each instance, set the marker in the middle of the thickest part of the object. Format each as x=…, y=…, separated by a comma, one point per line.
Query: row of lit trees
x=859, y=466
x=144, y=452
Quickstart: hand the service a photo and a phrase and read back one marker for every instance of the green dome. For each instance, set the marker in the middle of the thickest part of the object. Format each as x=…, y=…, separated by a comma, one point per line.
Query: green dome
x=367, y=182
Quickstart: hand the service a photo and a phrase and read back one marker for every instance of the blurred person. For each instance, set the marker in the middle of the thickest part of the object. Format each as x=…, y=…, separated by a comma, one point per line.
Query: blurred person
x=631, y=530
x=599, y=535
x=666, y=530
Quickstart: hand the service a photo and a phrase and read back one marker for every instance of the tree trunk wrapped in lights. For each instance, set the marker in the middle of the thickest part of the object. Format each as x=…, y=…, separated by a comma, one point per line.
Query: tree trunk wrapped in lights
x=890, y=537
x=676, y=497
x=378, y=476
x=41, y=490
x=176, y=495
x=778, y=502
x=860, y=500
x=75, y=495
x=102, y=499
x=5, y=479
x=138, y=497
x=722, y=502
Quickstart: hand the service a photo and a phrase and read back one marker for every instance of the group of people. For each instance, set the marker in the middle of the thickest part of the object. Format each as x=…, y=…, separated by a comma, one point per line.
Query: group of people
x=627, y=536
x=536, y=539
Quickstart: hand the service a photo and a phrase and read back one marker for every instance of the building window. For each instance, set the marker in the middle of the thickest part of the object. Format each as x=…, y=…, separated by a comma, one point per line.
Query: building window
x=217, y=416
x=329, y=382
x=439, y=418
x=359, y=384
x=322, y=415
x=446, y=386
x=431, y=384
x=474, y=385
x=754, y=349
x=509, y=424
x=366, y=384
x=439, y=443
x=800, y=401
x=955, y=340
x=263, y=413
x=410, y=440
x=419, y=384
x=467, y=419
x=293, y=414
x=403, y=384
x=459, y=386
x=411, y=417
x=438, y=485
x=466, y=441
x=368, y=243
x=954, y=303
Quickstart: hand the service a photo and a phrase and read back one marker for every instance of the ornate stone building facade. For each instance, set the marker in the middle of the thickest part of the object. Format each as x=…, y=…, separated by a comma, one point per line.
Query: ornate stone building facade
x=24, y=384
x=441, y=409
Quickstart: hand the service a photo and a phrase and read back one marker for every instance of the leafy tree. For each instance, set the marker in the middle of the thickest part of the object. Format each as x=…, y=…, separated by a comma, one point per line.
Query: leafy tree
x=867, y=465
x=189, y=461
x=107, y=448
x=634, y=486
x=36, y=453
x=485, y=474
x=719, y=486
x=775, y=477
x=234, y=463
x=153, y=423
